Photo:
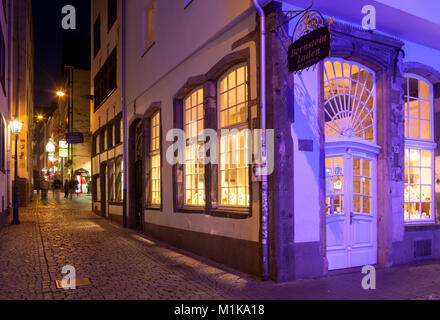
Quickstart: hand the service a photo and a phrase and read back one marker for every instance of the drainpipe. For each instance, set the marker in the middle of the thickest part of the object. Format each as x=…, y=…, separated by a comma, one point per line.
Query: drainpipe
x=124, y=118
x=9, y=104
x=264, y=184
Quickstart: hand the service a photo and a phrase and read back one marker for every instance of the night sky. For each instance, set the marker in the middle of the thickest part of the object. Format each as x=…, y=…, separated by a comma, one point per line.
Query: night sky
x=48, y=33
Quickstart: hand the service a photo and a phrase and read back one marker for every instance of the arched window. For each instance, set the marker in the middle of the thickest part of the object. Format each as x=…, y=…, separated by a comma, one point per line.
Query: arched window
x=234, y=146
x=349, y=100
x=194, y=169
x=419, y=150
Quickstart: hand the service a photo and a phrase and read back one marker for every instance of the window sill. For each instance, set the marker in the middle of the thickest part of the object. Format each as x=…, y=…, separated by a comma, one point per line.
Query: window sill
x=153, y=209
x=148, y=49
x=120, y=204
x=232, y=213
x=192, y=210
x=426, y=226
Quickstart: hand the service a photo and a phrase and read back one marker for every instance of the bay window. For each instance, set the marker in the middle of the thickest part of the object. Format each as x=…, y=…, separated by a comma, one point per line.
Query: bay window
x=234, y=145
x=419, y=151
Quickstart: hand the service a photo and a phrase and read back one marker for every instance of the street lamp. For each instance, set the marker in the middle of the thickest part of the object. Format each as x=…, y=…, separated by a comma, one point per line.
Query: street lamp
x=16, y=129
x=61, y=93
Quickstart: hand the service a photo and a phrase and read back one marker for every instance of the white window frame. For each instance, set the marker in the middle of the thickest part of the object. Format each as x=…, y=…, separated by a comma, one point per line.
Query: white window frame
x=244, y=125
x=424, y=144
x=187, y=144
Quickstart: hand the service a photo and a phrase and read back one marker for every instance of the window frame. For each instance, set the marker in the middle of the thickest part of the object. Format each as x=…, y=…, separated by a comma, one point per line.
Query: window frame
x=244, y=125
x=119, y=159
x=111, y=20
x=149, y=154
x=189, y=95
x=97, y=34
x=422, y=144
x=147, y=45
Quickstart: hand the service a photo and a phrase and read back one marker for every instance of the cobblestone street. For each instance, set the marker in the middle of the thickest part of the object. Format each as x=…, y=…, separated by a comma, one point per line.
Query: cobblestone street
x=123, y=264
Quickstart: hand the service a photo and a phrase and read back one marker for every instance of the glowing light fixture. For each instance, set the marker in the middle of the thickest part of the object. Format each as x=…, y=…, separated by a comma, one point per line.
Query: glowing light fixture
x=61, y=93
x=16, y=127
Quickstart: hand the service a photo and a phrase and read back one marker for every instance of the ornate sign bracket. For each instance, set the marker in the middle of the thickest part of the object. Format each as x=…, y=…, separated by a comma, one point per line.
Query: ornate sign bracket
x=310, y=20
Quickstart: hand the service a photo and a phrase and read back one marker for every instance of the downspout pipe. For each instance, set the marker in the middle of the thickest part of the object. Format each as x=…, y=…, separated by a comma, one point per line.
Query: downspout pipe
x=124, y=117
x=9, y=105
x=264, y=185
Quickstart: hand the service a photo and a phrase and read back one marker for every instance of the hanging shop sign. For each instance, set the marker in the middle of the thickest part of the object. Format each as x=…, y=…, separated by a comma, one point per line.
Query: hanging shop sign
x=50, y=147
x=310, y=41
x=63, y=153
x=74, y=138
x=63, y=144
x=309, y=49
x=51, y=157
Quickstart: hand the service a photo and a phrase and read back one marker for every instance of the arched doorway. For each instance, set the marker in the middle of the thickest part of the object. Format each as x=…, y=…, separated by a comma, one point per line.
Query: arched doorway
x=350, y=166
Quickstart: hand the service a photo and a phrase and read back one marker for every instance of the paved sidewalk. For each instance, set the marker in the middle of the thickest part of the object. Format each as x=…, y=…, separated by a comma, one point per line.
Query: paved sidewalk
x=123, y=264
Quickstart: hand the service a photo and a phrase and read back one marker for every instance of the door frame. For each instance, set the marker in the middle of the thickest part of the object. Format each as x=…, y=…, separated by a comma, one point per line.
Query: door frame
x=339, y=146
x=131, y=172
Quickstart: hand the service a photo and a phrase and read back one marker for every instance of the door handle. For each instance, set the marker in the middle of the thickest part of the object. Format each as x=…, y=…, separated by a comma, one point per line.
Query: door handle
x=351, y=217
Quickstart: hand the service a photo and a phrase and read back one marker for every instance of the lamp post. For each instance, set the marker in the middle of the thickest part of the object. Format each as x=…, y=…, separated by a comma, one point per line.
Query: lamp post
x=16, y=129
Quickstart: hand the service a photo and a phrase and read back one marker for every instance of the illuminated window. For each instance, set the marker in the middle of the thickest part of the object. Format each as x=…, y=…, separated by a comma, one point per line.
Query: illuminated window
x=194, y=169
x=155, y=195
x=417, y=109
x=119, y=185
x=234, y=147
x=111, y=180
x=419, y=151
x=349, y=100
x=334, y=171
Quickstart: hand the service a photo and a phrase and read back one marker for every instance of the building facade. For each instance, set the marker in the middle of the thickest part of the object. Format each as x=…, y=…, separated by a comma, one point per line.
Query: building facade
x=74, y=110
x=355, y=140
x=16, y=100
x=22, y=91
x=106, y=109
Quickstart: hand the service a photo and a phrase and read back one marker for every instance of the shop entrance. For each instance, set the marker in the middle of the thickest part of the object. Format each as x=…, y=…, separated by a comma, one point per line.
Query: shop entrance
x=350, y=166
x=351, y=214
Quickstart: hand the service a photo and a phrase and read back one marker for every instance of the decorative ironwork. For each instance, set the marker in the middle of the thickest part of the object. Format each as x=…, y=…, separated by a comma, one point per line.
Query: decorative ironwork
x=310, y=20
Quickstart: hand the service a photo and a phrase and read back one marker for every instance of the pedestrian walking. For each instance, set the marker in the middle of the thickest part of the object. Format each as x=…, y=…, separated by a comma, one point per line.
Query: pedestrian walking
x=57, y=188
x=72, y=187
x=66, y=189
x=44, y=185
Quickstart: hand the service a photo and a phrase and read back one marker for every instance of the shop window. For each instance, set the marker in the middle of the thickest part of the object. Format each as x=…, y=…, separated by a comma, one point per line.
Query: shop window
x=234, y=147
x=111, y=181
x=154, y=162
x=119, y=185
x=194, y=169
x=149, y=25
x=419, y=151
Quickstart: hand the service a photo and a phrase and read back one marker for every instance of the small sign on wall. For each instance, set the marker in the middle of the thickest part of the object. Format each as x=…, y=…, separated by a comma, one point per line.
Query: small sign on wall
x=305, y=145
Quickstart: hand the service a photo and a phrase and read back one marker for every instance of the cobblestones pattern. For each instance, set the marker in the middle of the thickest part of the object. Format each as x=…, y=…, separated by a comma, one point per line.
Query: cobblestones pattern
x=123, y=264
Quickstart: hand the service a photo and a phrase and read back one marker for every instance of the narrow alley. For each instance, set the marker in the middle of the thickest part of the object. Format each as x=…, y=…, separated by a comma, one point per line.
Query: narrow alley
x=122, y=264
